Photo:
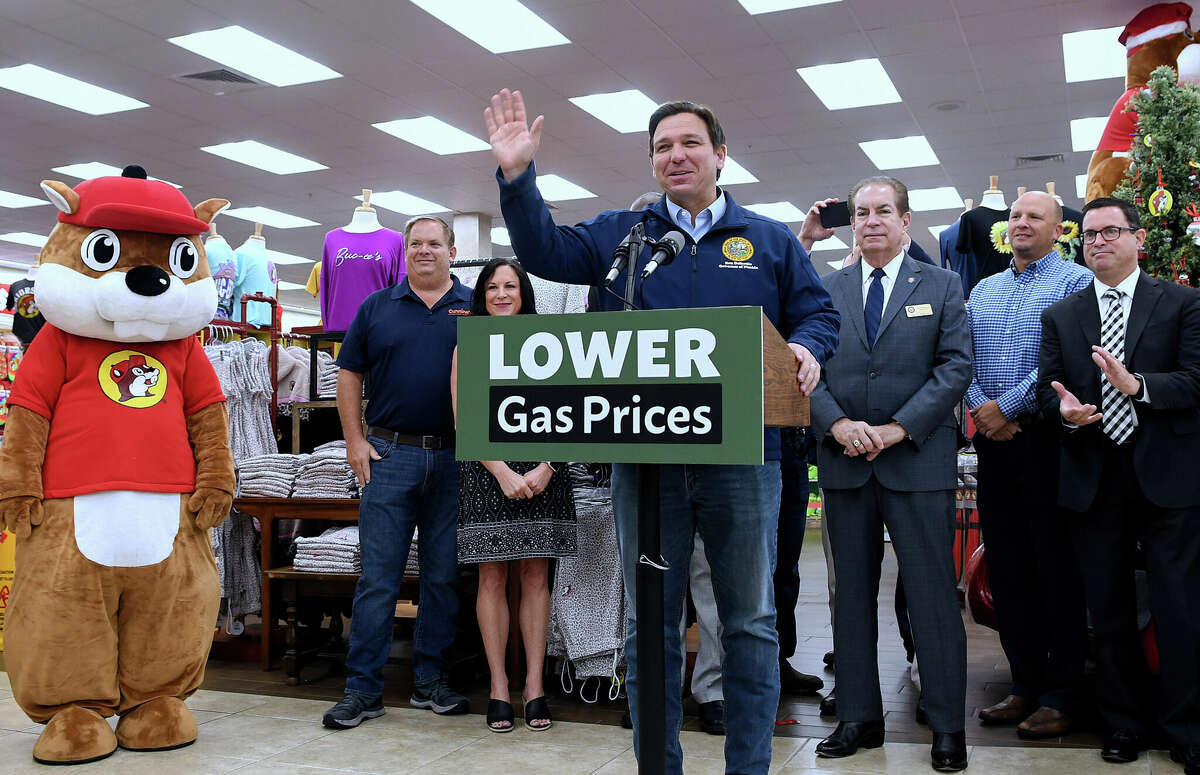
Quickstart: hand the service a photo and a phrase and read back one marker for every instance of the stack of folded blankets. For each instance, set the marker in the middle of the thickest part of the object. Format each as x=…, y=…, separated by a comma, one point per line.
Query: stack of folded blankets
x=267, y=476
x=327, y=375
x=334, y=551
x=326, y=474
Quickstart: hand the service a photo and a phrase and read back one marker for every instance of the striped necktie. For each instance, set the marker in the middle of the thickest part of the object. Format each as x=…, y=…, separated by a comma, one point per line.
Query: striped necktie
x=1116, y=406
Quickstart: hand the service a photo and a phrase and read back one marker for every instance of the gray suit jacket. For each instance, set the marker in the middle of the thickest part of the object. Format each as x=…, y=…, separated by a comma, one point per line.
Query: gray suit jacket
x=916, y=374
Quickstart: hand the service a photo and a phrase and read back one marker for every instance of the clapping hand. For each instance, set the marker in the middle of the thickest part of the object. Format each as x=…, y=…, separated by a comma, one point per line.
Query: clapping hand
x=514, y=141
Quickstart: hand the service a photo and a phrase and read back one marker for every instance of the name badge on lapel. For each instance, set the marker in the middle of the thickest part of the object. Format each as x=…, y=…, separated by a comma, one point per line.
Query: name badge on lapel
x=918, y=310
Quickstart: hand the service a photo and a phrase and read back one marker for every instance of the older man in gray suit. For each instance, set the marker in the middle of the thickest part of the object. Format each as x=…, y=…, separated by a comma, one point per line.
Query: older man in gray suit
x=885, y=411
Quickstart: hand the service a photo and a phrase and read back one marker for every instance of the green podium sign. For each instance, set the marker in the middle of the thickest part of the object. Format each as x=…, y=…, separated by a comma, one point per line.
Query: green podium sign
x=658, y=386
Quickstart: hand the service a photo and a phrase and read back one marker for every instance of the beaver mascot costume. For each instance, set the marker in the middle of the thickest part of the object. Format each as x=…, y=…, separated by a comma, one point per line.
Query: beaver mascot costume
x=115, y=464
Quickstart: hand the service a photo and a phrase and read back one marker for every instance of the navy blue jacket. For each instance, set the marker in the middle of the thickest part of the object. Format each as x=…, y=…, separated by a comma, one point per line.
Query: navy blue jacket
x=719, y=271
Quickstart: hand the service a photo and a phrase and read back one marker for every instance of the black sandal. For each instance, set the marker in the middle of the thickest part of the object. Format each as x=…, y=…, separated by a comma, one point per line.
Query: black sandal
x=498, y=712
x=538, y=709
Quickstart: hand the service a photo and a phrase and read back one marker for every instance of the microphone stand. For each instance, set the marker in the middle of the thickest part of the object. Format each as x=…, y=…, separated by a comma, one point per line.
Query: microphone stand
x=638, y=233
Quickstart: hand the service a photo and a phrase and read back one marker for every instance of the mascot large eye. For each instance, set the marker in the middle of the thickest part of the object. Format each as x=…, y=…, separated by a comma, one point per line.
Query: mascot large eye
x=183, y=258
x=100, y=250
x=1190, y=35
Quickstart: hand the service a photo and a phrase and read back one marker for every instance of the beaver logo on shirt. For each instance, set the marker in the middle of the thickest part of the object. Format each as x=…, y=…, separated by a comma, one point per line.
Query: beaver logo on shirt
x=133, y=379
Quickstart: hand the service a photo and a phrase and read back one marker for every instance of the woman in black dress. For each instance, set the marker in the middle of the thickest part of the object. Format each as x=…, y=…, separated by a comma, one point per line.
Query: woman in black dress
x=512, y=515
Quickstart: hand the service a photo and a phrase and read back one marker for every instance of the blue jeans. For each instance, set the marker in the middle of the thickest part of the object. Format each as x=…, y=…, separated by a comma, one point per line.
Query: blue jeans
x=736, y=510
x=410, y=488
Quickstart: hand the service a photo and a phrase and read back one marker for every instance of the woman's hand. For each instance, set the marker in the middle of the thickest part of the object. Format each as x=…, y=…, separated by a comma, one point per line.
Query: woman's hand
x=511, y=483
x=539, y=478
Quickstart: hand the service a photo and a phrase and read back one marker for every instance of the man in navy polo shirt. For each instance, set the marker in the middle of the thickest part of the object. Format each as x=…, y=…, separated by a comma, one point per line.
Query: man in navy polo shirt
x=403, y=336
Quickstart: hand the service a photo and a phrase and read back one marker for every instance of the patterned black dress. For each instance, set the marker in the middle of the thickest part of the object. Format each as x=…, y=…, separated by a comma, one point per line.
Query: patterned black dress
x=495, y=528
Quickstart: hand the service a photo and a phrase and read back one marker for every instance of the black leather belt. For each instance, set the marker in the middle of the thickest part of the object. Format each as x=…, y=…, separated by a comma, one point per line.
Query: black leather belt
x=427, y=441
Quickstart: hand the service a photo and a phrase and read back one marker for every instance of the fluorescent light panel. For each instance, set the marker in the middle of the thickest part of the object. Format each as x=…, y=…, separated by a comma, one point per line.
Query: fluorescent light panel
x=269, y=217
x=255, y=154
x=1090, y=55
x=733, y=173
x=499, y=26
x=835, y=264
x=500, y=236
x=278, y=257
x=1081, y=185
x=780, y=211
x=404, y=203
x=900, y=152
x=98, y=169
x=66, y=91
x=833, y=243
x=625, y=111
x=1086, y=132
x=941, y=198
x=9, y=199
x=254, y=55
x=850, y=84
x=936, y=231
x=768, y=6
x=433, y=134
x=25, y=238
x=556, y=188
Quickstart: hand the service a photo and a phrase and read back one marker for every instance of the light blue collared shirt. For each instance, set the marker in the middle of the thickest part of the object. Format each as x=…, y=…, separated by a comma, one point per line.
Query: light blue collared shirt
x=704, y=221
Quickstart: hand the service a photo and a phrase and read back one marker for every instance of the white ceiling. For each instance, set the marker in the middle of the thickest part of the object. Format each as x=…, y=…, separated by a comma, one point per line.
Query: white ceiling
x=1002, y=60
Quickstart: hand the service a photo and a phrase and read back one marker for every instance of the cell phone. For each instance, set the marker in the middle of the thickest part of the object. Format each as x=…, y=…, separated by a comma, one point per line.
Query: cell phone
x=835, y=214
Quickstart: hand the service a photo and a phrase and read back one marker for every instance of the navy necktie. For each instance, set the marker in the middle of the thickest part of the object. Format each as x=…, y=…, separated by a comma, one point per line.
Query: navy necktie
x=873, y=311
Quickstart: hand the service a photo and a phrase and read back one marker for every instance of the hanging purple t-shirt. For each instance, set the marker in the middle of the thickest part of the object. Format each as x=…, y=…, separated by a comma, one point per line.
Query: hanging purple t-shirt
x=353, y=266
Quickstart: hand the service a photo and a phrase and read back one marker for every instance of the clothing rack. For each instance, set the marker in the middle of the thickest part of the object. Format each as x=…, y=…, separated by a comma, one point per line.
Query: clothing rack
x=219, y=327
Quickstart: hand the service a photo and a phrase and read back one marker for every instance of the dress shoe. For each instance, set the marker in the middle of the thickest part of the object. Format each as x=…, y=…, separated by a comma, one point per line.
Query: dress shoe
x=1009, y=710
x=828, y=659
x=949, y=751
x=626, y=720
x=1188, y=756
x=922, y=716
x=849, y=737
x=712, y=717
x=1044, y=723
x=795, y=683
x=1122, y=747
x=829, y=703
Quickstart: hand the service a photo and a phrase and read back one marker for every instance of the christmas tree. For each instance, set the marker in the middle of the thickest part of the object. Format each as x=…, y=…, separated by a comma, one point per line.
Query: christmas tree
x=1163, y=179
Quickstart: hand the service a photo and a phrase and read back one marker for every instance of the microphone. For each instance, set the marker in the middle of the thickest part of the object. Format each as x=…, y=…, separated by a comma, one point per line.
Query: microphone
x=623, y=252
x=665, y=251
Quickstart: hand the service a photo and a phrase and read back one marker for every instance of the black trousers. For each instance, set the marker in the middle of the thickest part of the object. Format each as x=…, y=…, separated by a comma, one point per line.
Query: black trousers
x=1031, y=566
x=1105, y=540
x=793, y=519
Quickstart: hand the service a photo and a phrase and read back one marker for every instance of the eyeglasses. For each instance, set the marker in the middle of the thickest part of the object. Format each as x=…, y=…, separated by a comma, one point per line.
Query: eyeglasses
x=1109, y=233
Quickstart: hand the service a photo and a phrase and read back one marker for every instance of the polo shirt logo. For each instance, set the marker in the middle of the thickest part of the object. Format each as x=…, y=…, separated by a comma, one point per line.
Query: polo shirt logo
x=462, y=312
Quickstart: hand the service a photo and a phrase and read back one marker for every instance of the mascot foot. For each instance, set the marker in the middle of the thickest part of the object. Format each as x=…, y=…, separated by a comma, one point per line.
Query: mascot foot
x=158, y=725
x=75, y=735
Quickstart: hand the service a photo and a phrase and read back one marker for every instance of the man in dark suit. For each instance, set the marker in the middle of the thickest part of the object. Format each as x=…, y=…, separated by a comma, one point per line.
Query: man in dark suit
x=885, y=411
x=1120, y=363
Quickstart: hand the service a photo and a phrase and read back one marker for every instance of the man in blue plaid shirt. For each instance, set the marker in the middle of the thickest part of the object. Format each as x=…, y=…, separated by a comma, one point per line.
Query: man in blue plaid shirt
x=1031, y=568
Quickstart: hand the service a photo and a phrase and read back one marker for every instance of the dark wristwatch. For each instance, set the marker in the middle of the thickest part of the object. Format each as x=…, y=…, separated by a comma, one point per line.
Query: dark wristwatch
x=1141, y=391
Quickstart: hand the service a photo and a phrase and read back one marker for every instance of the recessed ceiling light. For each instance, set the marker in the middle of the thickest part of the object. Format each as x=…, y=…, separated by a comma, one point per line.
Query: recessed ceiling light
x=97, y=169
x=264, y=157
x=936, y=231
x=405, y=204
x=941, y=198
x=900, y=152
x=733, y=173
x=780, y=211
x=254, y=55
x=833, y=243
x=1086, y=132
x=285, y=285
x=556, y=188
x=66, y=91
x=269, y=217
x=278, y=257
x=850, y=84
x=500, y=236
x=9, y=199
x=433, y=134
x=767, y=6
x=25, y=238
x=1081, y=185
x=499, y=26
x=625, y=111
x=1090, y=55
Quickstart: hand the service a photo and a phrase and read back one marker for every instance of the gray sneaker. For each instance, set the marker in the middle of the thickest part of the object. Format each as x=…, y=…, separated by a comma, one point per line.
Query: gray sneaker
x=351, y=711
x=440, y=698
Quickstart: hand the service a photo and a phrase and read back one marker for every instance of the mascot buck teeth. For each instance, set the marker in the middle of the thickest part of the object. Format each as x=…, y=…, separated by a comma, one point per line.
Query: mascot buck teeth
x=115, y=464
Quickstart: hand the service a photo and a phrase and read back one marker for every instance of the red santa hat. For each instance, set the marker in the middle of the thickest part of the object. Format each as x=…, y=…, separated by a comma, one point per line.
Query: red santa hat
x=1157, y=21
x=132, y=202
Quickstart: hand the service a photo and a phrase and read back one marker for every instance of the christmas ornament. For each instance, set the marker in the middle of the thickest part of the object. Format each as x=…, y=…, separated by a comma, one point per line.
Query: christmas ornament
x=1161, y=200
x=1193, y=228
